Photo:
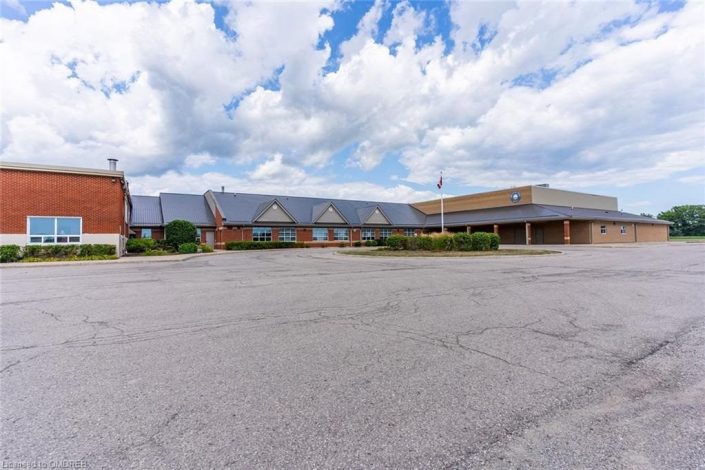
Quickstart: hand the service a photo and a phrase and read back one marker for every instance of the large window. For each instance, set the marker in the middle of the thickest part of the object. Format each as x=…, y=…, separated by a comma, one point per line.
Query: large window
x=146, y=233
x=340, y=234
x=198, y=235
x=368, y=234
x=287, y=234
x=262, y=234
x=54, y=229
x=320, y=234
x=409, y=232
x=385, y=233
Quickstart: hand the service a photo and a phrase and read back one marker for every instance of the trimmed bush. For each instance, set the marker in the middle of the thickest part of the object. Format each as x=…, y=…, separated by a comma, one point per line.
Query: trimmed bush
x=246, y=245
x=87, y=251
x=179, y=232
x=186, y=248
x=494, y=241
x=424, y=243
x=397, y=242
x=206, y=248
x=357, y=244
x=370, y=242
x=442, y=243
x=462, y=241
x=482, y=241
x=140, y=245
x=10, y=253
x=158, y=252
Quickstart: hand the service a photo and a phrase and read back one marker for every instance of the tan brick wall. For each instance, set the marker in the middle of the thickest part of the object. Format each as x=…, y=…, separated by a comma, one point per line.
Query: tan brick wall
x=651, y=233
x=99, y=200
x=579, y=232
x=613, y=234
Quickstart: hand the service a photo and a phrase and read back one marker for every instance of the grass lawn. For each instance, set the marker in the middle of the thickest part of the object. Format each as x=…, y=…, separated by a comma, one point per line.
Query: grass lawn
x=446, y=254
x=689, y=239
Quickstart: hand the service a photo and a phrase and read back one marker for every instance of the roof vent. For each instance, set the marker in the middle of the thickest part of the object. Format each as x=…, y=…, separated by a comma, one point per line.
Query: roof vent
x=543, y=185
x=112, y=164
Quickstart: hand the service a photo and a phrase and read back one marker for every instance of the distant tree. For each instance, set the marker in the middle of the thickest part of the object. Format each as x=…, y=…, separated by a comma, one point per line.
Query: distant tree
x=644, y=214
x=688, y=220
x=179, y=232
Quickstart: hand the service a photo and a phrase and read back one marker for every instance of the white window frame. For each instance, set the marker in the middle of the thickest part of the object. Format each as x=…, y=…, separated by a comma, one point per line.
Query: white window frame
x=622, y=229
x=198, y=235
x=385, y=233
x=367, y=234
x=603, y=229
x=142, y=233
x=282, y=230
x=55, y=236
x=259, y=237
x=409, y=232
x=313, y=234
x=336, y=237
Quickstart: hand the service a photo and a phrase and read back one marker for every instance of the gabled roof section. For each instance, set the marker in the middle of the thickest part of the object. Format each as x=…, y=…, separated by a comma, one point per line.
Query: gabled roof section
x=327, y=213
x=273, y=211
x=373, y=215
x=146, y=211
x=191, y=207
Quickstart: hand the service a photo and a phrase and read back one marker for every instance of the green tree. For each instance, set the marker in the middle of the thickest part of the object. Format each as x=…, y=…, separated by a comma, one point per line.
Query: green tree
x=688, y=220
x=644, y=214
x=179, y=232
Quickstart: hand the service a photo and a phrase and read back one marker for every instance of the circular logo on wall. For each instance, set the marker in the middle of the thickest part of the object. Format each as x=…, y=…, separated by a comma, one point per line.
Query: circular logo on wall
x=516, y=196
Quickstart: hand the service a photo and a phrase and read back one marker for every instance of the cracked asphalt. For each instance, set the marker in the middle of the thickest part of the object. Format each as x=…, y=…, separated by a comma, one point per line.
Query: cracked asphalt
x=308, y=358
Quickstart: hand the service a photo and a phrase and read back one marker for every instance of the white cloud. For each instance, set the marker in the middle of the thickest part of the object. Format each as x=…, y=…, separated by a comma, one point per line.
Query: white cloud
x=197, y=160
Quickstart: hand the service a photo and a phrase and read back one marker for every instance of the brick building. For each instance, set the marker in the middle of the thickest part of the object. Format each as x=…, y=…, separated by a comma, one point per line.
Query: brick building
x=42, y=204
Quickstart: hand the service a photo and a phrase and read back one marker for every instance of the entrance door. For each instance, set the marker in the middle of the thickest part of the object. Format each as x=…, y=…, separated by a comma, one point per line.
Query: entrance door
x=210, y=238
x=538, y=235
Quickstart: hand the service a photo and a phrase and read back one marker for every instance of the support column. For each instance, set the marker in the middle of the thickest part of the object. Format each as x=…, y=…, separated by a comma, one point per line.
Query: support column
x=528, y=233
x=468, y=229
x=495, y=229
x=566, y=232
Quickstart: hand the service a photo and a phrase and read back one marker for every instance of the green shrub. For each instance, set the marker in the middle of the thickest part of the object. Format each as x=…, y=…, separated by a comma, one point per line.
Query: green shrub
x=357, y=244
x=370, y=242
x=186, y=248
x=179, y=232
x=494, y=241
x=424, y=243
x=10, y=253
x=206, y=248
x=442, y=243
x=96, y=249
x=157, y=252
x=247, y=245
x=140, y=245
x=396, y=242
x=482, y=241
x=462, y=242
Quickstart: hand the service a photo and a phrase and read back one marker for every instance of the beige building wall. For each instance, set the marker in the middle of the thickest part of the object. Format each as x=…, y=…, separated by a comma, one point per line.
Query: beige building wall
x=580, y=232
x=651, y=232
x=275, y=214
x=613, y=234
x=330, y=216
x=559, y=197
x=377, y=218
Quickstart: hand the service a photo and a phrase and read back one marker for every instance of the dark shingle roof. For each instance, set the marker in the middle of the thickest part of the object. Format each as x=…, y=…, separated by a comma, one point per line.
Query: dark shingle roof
x=191, y=207
x=146, y=211
x=242, y=209
x=533, y=213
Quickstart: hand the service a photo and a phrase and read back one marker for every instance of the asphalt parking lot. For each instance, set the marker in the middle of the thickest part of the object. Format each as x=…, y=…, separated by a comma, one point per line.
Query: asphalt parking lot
x=307, y=358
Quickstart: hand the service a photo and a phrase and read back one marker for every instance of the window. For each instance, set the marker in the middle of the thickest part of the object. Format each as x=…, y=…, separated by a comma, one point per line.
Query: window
x=287, y=234
x=198, y=235
x=409, y=232
x=146, y=233
x=340, y=234
x=54, y=229
x=603, y=229
x=385, y=233
x=368, y=234
x=262, y=234
x=320, y=234
x=623, y=230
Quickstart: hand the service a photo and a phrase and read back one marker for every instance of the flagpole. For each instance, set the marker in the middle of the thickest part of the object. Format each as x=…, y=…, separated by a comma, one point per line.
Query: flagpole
x=442, y=221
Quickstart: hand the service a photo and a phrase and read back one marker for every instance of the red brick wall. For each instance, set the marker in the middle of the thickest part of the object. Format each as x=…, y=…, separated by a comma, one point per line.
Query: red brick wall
x=99, y=200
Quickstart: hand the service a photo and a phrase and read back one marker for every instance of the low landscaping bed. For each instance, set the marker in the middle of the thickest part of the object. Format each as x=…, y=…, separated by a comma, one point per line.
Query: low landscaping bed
x=40, y=253
x=446, y=254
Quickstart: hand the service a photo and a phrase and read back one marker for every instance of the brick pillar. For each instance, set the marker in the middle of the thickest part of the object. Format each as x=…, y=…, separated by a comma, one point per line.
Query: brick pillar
x=468, y=229
x=495, y=229
x=528, y=233
x=566, y=232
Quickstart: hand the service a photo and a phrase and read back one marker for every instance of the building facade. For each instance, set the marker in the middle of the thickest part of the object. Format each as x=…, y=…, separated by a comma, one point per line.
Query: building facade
x=42, y=204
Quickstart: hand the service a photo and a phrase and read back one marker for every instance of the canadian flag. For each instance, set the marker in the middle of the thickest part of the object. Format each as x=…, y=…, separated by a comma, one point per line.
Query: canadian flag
x=440, y=182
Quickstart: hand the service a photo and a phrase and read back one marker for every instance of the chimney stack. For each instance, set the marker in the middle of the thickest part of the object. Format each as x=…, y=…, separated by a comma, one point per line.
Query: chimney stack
x=112, y=164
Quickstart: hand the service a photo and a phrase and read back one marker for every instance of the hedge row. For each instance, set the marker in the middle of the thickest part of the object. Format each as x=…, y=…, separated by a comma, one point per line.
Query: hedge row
x=478, y=241
x=12, y=253
x=262, y=245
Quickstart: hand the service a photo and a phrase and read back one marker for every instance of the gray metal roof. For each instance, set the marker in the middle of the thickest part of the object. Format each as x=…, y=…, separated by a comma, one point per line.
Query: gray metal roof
x=242, y=209
x=191, y=207
x=533, y=213
x=146, y=211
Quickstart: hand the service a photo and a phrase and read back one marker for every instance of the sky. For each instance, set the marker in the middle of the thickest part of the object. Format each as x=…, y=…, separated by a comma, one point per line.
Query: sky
x=367, y=100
